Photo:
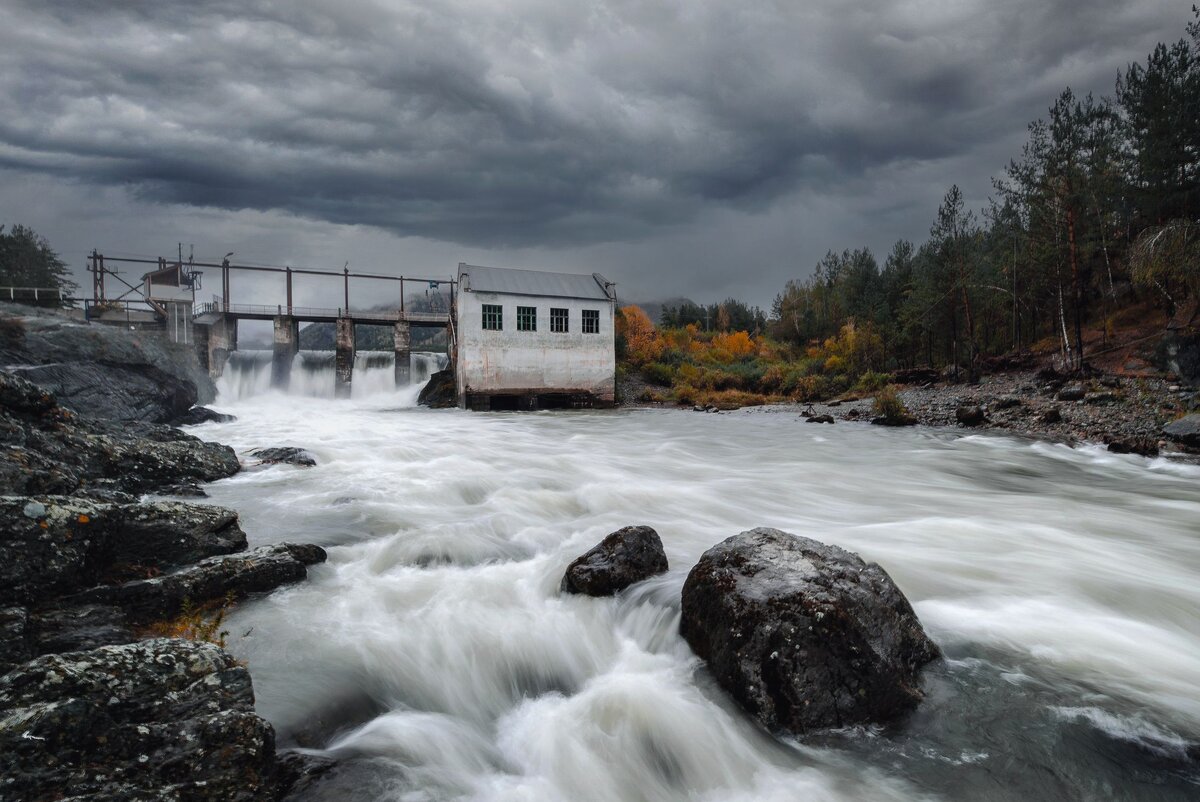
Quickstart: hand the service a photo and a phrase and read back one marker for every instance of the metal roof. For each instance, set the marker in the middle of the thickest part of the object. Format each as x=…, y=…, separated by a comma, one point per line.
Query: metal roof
x=533, y=282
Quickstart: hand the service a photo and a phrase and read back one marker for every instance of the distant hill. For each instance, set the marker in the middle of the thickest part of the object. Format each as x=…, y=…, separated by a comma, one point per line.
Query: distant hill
x=654, y=308
x=320, y=336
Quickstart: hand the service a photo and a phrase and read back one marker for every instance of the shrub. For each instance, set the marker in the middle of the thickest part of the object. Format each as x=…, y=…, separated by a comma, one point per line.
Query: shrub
x=194, y=623
x=889, y=405
x=658, y=373
x=871, y=381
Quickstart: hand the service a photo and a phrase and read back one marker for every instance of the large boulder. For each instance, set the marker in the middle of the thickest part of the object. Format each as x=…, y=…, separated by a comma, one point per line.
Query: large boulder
x=45, y=448
x=164, y=534
x=134, y=393
x=53, y=545
x=105, y=372
x=440, y=392
x=626, y=556
x=231, y=576
x=158, y=719
x=802, y=634
x=1186, y=430
x=284, y=455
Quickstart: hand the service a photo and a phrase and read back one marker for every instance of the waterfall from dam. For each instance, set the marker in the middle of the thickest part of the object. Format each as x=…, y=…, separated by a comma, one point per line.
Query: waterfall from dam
x=248, y=373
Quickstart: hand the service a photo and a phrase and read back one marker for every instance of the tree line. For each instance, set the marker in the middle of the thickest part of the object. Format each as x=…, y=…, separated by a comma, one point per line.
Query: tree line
x=1098, y=212
x=27, y=261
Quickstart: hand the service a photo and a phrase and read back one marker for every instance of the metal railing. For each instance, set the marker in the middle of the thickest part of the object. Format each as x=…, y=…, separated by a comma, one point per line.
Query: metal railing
x=264, y=310
x=32, y=294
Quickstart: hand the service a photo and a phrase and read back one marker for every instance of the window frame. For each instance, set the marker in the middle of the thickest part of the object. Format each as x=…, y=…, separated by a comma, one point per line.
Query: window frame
x=560, y=317
x=498, y=311
x=591, y=316
x=527, y=318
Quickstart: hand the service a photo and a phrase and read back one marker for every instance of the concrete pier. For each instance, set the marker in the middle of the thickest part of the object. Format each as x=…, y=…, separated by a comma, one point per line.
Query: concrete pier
x=222, y=341
x=343, y=361
x=403, y=354
x=287, y=344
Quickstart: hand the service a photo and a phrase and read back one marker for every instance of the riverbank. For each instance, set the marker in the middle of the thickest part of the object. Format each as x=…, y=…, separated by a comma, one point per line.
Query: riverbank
x=1126, y=415
x=98, y=696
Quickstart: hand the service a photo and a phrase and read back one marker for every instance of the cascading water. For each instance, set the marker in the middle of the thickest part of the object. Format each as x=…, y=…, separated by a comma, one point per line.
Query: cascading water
x=248, y=373
x=434, y=657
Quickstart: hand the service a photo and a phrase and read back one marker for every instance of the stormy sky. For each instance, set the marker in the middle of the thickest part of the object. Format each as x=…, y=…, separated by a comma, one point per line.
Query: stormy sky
x=695, y=147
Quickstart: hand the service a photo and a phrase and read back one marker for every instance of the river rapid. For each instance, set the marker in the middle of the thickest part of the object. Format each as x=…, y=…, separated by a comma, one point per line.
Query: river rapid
x=434, y=657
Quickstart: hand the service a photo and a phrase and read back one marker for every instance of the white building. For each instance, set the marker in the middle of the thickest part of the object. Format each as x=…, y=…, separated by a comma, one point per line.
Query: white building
x=533, y=340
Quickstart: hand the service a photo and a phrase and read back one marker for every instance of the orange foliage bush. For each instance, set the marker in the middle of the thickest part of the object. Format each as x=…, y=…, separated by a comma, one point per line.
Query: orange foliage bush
x=642, y=343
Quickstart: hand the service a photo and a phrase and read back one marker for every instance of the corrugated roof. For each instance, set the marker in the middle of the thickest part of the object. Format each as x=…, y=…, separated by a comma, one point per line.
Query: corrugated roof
x=532, y=282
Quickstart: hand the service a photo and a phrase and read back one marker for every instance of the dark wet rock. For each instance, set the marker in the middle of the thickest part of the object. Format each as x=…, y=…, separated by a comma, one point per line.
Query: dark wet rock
x=230, y=576
x=804, y=635
x=165, y=534
x=45, y=448
x=53, y=545
x=65, y=628
x=916, y=376
x=159, y=719
x=15, y=641
x=299, y=771
x=1145, y=446
x=284, y=455
x=1185, y=430
x=970, y=415
x=440, y=392
x=183, y=490
x=628, y=555
x=100, y=391
x=899, y=420
x=1098, y=399
x=1007, y=402
x=1072, y=392
x=197, y=415
x=821, y=419
x=105, y=371
x=1051, y=415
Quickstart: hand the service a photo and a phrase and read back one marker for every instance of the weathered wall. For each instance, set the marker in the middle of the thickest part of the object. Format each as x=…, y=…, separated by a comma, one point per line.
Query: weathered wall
x=523, y=361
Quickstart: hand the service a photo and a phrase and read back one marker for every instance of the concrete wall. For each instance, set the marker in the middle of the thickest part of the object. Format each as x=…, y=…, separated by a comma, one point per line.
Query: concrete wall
x=524, y=362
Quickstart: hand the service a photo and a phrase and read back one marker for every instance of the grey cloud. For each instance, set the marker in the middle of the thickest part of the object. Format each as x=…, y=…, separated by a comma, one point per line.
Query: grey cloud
x=566, y=125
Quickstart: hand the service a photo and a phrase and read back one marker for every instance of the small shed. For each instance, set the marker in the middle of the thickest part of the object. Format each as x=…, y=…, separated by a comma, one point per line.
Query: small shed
x=529, y=339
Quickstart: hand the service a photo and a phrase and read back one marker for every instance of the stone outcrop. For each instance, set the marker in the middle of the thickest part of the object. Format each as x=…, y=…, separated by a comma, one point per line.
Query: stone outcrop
x=104, y=372
x=626, y=556
x=197, y=415
x=804, y=635
x=1186, y=430
x=970, y=415
x=230, y=576
x=160, y=719
x=45, y=448
x=440, y=392
x=284, y=455
x=52, y=545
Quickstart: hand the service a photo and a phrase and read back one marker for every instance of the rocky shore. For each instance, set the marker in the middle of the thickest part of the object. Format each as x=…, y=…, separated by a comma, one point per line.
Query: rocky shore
x=92, y=704
x=1139, y=415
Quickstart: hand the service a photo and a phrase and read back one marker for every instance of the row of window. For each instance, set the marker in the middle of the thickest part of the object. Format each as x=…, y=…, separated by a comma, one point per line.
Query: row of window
x=560, y=319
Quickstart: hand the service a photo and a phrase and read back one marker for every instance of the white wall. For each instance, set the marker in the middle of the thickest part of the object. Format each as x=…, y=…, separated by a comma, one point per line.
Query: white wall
x=521, y=361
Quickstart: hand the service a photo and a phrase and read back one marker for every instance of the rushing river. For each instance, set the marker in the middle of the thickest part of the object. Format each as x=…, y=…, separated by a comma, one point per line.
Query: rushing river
x=433, y=655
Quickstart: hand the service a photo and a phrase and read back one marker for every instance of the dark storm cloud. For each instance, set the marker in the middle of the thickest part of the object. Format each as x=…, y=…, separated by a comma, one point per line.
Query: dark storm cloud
x=537, y=122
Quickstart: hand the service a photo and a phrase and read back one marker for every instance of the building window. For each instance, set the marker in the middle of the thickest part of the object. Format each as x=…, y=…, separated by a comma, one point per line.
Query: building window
x=493, y=317
x=526, y=318
x=558, y=320
x=591, y=321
